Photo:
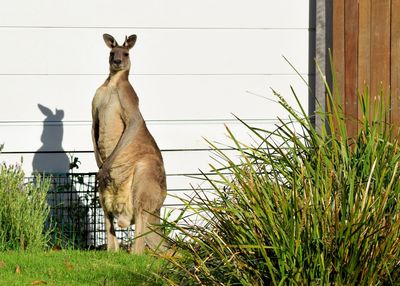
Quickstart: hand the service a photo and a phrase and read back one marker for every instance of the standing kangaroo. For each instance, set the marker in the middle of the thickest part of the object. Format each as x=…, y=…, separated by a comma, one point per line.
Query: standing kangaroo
x=132, y=183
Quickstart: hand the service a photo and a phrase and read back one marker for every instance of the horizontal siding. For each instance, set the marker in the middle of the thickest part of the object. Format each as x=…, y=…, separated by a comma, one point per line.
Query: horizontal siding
x=174, y=135
x=194, y=64
x=156, y=14
x=180, y=52
x=170, y=97
x=176, y=163
x=182, y=143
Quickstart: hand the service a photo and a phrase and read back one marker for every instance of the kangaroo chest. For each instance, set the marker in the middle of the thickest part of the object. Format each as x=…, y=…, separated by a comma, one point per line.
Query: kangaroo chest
x=111, y=125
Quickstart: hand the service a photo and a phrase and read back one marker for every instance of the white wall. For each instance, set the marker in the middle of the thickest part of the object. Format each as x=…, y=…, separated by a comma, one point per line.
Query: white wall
x=194, y=64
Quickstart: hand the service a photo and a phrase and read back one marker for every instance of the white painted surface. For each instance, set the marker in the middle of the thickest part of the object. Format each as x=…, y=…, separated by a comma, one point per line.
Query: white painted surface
x=162, y=97
x=182, y=52
x=158, y=14
x=195, y=63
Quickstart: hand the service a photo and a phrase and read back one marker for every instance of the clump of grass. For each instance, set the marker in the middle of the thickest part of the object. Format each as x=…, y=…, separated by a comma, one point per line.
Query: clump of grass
x=23, y=210
x=300, y=207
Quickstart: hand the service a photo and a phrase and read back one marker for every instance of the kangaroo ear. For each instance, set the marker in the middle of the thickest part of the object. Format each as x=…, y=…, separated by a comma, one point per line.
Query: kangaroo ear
x=130, y=41
x=110, y=41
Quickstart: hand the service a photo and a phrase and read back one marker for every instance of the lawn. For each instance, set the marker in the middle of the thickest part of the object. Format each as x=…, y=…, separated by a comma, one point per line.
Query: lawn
x=72, y=267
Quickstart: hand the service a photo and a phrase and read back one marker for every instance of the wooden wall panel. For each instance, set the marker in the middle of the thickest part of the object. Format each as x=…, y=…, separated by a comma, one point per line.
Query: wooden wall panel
x=395, y=63
x=380, y=51
x=338, y=46
x=350, y=65
x=366, y=52
x=364, y=49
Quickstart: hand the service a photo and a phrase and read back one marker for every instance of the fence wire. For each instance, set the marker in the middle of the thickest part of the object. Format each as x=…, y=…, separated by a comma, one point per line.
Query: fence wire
x=76, y=218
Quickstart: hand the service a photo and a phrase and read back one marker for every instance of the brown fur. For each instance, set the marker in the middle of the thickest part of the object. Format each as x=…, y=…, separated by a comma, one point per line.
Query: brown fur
x=131, y=175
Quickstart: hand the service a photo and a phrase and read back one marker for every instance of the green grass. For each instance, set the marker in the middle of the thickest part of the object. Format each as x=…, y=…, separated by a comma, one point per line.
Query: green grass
x=77, y=268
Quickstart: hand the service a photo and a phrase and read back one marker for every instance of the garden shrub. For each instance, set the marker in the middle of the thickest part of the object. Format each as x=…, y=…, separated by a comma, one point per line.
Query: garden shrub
x=299, y=207
x=23, y=210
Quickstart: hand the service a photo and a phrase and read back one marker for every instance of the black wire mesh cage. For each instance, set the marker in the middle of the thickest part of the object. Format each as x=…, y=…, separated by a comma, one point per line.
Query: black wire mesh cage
x=76, y=219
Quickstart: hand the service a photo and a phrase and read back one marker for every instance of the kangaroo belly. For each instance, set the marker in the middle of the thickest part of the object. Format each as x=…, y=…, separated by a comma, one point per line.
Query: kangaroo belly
x=111, y=126
x=119, y=203
x=109, y=135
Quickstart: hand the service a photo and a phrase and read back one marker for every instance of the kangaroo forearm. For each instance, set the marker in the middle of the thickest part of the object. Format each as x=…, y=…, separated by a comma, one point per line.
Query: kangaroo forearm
x=125, y=141
x=95, y=136
x=99, y=161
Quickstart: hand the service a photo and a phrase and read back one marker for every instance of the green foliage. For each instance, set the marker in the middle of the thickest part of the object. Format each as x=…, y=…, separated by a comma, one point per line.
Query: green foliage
x=23, y=210
x=300, y=207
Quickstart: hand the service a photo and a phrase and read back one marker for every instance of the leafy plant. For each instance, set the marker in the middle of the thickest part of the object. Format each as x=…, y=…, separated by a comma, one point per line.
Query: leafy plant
x=300, y=207
x=23, y=210
x=73, y=162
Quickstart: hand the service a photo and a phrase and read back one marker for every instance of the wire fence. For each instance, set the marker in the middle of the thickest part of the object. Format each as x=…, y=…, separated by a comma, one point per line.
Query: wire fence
x=76, y=218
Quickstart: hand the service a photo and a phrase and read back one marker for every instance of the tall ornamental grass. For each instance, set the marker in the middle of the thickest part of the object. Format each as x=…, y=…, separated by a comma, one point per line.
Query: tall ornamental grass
x=299, y=207
x=23, y=211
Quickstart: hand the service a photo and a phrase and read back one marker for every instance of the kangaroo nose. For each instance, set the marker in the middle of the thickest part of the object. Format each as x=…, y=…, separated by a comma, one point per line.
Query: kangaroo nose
x=117, y=62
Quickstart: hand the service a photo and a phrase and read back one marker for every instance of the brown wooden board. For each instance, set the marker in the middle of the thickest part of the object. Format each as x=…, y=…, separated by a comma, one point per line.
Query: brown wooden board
x=338, y=51
x=380, y=52
x=351, y=64
x=364, y=50
x=338, y=45
x=395, y=64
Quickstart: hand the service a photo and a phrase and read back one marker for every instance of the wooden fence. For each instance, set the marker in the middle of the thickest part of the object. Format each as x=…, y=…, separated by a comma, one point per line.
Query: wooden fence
x=366, y=52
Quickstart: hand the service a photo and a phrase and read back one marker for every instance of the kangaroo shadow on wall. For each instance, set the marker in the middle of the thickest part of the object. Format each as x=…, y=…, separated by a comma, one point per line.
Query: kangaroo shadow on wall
x=68, y=215
x=57, y=161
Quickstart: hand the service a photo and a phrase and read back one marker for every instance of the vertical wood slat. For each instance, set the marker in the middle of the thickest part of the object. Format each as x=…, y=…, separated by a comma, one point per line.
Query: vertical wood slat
x=364, y=49
x=338, y=44
x=338, y=50
x=395, y=64
x=380, y=51
x=351, y=64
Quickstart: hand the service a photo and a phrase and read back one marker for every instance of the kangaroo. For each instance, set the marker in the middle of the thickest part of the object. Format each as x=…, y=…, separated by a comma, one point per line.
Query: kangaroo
x=131, y=176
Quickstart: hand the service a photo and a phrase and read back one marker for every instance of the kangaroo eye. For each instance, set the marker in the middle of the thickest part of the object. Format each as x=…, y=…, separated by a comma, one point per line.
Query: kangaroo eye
x=111, y=54
x=126, y=54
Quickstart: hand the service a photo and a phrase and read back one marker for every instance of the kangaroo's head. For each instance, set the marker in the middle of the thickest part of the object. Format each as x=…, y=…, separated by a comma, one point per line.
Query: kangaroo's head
x=119, y=55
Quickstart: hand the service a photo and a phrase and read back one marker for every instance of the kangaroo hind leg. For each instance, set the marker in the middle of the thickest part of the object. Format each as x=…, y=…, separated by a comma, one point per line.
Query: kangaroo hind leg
x=112, y=241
